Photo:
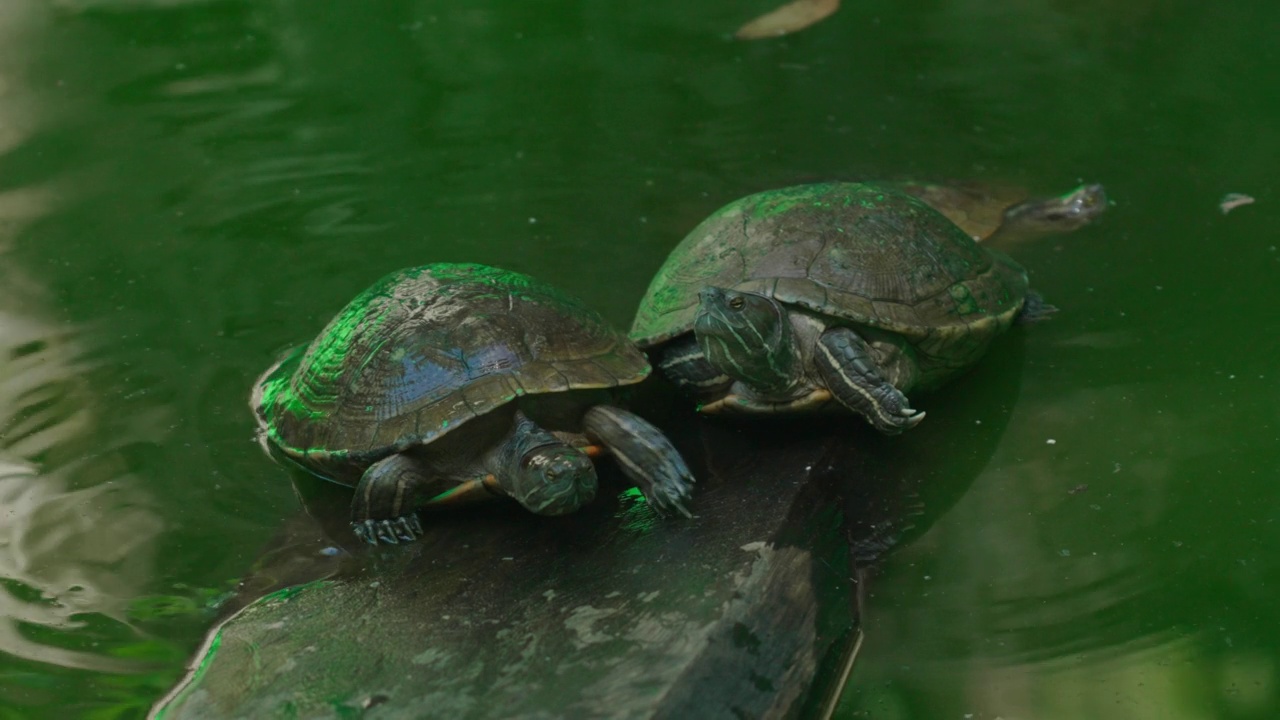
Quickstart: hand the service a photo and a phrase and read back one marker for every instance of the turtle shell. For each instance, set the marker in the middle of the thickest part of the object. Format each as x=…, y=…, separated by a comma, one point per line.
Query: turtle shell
x=978, y=209
x=862, y=253
x=426, y=349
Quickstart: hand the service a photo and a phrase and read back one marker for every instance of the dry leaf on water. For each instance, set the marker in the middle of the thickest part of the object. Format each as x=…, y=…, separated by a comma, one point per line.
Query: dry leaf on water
x=1231, y=201
x=792, y=17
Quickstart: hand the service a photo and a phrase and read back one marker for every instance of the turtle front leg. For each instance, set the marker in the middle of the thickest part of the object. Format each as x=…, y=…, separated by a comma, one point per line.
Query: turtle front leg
x=645, y=456
x=389, y=492
x=845, y=363
x=683, y=363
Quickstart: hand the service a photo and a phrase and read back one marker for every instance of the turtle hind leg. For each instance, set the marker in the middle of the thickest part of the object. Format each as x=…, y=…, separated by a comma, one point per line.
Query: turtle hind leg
x=645, y=456
x=389, y=492
x=1034, y=309
x=683, y=363
x=845, y=364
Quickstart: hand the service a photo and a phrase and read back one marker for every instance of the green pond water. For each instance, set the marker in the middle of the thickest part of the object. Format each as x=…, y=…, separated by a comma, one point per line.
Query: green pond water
x=187, y=187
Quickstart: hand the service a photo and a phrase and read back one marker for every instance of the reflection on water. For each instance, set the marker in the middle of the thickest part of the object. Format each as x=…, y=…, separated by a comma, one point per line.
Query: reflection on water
x=66, y=555
x=1052, y=607
x=77, y=531
x=77, y=541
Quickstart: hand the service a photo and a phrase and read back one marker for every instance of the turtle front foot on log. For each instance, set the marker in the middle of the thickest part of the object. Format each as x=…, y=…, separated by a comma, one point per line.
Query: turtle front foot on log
x=645, y=456
x=382, y=509
x=845, y=363
x=402, y=529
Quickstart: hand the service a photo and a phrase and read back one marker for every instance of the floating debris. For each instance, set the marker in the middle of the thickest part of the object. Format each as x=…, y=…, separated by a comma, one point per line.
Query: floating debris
x=792, y=17
x=1078, y=489
x=1231, y=201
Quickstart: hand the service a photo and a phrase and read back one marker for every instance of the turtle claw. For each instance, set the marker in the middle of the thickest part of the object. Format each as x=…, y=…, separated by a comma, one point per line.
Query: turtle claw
x=671, y=493
x=894, y=415
x=665, y=505
x=364, y=530
x=391, y=532
x=404, y=530
x=912, y=417
x=669, y=485
x=385, y=533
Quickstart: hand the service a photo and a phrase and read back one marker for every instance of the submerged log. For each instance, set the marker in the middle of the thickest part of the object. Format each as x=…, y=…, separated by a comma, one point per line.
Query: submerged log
x=748, y=610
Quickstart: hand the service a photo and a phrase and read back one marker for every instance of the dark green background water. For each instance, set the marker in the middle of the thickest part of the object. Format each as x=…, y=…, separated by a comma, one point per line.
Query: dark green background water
x=187, y=187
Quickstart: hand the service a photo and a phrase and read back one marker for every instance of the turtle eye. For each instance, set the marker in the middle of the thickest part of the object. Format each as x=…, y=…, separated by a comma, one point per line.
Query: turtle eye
x=737, y=303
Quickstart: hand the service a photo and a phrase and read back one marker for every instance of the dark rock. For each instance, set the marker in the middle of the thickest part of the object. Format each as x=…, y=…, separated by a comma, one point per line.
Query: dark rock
x=745, y=611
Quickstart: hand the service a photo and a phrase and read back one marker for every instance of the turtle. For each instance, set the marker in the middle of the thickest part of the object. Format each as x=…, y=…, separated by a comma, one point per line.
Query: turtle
x=1004, y=215
x=842, y=295
x=450, y=383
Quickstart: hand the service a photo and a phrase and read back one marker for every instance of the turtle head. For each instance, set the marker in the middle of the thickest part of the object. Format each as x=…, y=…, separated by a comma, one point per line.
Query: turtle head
x=746, y=336
x=1059, y=214
x=554, y=480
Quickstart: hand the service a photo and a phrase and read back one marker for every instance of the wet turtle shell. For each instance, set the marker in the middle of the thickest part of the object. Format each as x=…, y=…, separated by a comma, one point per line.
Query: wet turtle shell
x=978, y=209
x=425, y=350
x=866, y=254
